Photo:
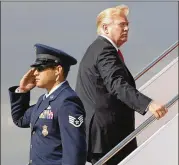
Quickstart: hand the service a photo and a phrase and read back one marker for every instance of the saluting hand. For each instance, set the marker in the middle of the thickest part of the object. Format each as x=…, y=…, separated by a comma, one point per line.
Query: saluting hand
x=158, y=110
x=28, y=81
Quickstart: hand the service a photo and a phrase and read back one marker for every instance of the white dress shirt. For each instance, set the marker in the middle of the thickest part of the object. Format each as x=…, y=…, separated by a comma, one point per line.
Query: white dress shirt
x=53, y=89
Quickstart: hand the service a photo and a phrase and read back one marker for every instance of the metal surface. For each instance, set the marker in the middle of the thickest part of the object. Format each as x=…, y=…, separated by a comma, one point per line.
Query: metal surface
x=139, y=129
x=164, y=54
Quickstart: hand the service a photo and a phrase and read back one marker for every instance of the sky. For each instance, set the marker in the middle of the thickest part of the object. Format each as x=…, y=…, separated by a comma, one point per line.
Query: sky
x=70, y=26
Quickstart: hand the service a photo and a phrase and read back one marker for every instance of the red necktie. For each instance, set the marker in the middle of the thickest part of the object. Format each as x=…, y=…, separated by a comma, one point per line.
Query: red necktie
x=120, y=54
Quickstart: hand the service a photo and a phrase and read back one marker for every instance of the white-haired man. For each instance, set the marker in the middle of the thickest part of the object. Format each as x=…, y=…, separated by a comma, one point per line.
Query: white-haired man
x=108, y=91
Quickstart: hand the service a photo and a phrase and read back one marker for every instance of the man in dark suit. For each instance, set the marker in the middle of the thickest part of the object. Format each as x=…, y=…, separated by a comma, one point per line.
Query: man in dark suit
x=108, y=91
x=57, y=120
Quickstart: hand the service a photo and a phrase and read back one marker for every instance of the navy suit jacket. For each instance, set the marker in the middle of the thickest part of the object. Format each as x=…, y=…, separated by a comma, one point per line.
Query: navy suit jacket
x=57, y=126
x=108, y=92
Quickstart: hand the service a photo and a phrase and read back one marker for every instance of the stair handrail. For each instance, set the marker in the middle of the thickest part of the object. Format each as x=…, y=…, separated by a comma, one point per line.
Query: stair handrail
x=131, y=136
x=155, y=61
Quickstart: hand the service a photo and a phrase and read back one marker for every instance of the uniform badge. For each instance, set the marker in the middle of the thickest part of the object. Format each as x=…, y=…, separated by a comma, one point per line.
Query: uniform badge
x=76, y=121
x=47, y=113
x=42, y=116
x=44, y=131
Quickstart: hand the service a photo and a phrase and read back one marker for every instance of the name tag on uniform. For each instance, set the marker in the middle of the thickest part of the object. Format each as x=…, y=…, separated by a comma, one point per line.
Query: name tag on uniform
x=46, y=114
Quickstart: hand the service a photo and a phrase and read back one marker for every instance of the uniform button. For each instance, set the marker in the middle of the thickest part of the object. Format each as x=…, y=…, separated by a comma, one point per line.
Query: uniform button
x=33, y=132
x=30, y=146
x=30, y=161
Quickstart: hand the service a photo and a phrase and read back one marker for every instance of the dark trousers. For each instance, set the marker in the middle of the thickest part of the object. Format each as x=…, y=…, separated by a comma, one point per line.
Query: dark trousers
x=107, y=146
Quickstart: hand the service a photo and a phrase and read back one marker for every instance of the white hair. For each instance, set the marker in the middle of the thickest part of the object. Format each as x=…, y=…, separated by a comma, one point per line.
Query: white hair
x=107, y=16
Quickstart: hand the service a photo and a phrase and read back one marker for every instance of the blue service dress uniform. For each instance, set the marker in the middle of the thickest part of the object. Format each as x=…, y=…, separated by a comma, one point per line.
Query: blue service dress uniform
x=57, y=126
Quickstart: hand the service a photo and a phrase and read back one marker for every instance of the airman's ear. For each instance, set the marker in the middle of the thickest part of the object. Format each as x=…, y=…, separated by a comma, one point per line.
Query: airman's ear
x=58, y=70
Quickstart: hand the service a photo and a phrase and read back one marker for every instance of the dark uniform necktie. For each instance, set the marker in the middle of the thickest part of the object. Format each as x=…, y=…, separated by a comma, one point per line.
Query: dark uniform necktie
x=120, y=54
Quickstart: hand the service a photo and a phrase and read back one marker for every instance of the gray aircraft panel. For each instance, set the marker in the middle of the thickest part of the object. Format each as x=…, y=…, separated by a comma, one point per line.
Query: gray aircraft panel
x=161, y=148
x=163, y=88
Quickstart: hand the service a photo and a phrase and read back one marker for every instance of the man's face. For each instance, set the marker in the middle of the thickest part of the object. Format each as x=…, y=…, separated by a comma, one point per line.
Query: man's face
x=45, y=78
x=118, y=30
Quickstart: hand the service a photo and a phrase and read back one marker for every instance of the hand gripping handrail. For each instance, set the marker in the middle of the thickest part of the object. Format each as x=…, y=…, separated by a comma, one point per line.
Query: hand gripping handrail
x=155, y=61
x=131, y=136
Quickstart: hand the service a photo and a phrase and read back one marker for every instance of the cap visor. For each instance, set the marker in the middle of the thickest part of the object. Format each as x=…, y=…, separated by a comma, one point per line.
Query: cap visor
x=36, y=64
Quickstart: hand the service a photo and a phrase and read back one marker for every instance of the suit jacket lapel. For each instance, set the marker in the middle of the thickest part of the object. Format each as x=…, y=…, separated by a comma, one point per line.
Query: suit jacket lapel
x=125, y=67
x=43, y=104
x=39, y=110
x=35, y=109
x=105, y=40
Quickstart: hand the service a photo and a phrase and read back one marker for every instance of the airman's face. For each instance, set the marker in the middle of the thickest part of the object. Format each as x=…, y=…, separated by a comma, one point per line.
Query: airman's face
x=118, y=30
x=46, y=78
